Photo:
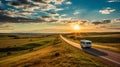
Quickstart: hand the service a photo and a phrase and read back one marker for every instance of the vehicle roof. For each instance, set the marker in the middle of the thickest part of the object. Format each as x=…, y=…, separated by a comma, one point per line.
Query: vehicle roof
x=85, y=41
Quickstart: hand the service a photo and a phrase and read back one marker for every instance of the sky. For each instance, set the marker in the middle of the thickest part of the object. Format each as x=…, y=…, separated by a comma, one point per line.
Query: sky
x=59, y=10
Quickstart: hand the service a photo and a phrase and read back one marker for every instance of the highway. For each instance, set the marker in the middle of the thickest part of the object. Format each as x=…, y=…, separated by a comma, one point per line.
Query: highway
x=106, y=56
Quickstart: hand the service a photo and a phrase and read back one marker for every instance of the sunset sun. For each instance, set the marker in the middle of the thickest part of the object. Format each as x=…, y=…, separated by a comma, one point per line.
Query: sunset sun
x=76, y=27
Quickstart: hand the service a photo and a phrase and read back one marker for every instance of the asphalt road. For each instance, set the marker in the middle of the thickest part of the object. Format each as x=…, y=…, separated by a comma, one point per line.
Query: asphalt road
x=107, y=56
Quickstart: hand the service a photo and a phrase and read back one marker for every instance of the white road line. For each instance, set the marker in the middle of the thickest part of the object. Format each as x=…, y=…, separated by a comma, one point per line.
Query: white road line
x=72, y=43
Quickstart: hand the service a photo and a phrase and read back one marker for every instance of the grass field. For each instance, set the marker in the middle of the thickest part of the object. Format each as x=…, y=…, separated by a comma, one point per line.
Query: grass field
x=109, y=41
x=12, y=47
x=53, y=52
x=9, y=40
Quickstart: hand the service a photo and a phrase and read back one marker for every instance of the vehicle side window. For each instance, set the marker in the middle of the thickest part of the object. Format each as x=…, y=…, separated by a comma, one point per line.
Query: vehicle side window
x=82, y=42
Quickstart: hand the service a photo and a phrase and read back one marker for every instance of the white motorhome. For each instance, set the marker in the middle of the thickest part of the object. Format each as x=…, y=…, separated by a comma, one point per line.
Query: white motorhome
x=85, y=43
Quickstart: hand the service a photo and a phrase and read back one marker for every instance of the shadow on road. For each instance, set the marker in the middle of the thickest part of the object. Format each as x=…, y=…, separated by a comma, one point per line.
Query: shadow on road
x=94, y=51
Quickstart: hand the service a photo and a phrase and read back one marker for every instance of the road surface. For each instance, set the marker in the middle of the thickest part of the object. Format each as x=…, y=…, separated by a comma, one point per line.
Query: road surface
x=110, y=57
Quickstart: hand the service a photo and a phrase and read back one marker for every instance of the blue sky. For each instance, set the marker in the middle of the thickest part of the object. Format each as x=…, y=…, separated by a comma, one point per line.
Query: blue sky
x=89, y=9
x=59, y=10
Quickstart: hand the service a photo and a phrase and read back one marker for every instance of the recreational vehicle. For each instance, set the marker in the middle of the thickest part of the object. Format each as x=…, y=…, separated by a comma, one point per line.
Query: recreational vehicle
x=85, y=43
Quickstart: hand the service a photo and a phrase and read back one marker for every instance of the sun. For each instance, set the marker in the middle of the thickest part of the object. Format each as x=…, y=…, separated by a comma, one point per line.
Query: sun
x=76, y=27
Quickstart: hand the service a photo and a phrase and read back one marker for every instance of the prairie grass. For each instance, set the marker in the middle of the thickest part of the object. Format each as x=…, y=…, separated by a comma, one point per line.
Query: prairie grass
x=15, y=49
x=53, y=52
x=57, y=54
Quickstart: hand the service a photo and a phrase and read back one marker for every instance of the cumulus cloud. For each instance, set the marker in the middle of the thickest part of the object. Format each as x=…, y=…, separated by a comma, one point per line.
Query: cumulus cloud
x=115, y=20
x=59, y=9
x=76, y=12
x=26, y=13
x=53, y=14
x=0, y=3
x=68, y=2
x=31, y=8
x=18, y=2
x=113, y=0
x=48, y=7
x=45, y=18
x=107, y=10
x=102, y=22
x=58, y=2
x=63, y=15
x=11, y=13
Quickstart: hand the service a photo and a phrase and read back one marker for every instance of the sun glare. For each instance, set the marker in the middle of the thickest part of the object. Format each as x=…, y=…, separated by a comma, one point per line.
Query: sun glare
x=76, y=27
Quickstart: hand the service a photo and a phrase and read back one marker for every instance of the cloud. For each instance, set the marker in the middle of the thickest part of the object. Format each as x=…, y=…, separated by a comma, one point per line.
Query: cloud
x=68, y=2
x=0, y=3
x=43, y=10
x=18, y=2
x=53, y=14
x=115, y=20
x=58, y=2
x=102, y=22
x=30, y=8
x=76, y=12
x=107, y=10
x=48, y=7
x=45, y=18
x=113, y=0
x=26, y=13
x=63, y=15
x=11, y=13
x=59, y=9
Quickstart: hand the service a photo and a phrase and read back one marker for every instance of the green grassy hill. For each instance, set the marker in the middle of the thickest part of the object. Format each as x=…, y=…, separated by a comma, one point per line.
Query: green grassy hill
x=52, y=52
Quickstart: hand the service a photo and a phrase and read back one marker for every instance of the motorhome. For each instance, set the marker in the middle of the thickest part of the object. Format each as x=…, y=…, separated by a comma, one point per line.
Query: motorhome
x=85, y=43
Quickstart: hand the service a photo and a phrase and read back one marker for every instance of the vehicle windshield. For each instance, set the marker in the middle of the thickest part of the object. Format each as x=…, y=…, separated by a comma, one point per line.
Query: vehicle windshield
x=88, y=43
